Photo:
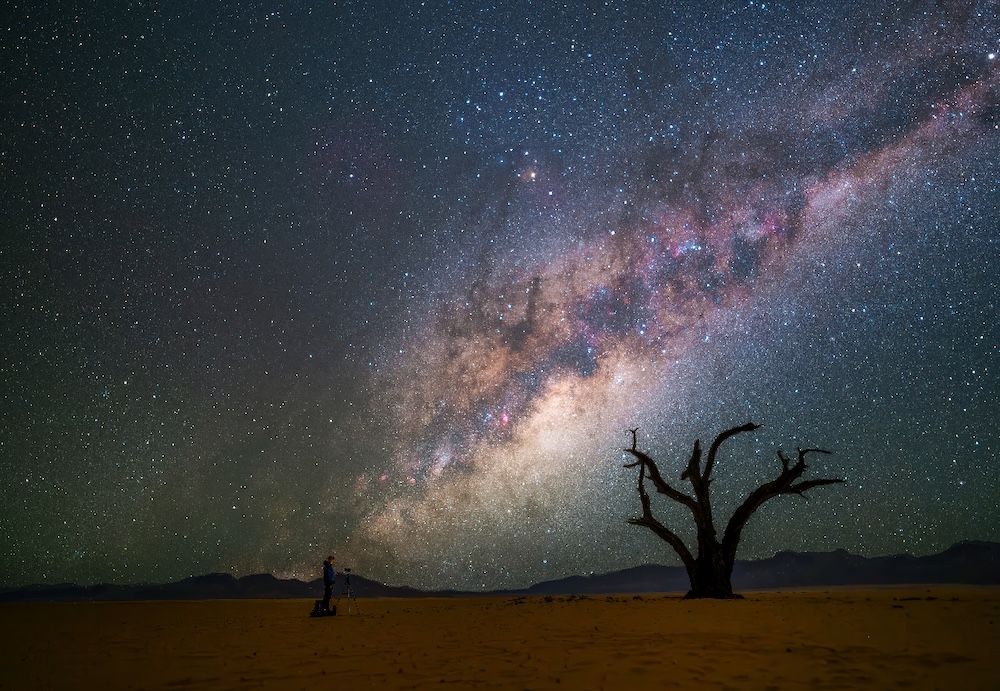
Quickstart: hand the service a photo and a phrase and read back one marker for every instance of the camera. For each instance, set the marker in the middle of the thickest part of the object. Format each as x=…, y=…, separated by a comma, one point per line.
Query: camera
x=347, y=570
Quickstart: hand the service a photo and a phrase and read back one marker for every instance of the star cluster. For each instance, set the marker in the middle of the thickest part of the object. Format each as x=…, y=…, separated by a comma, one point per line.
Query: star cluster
x=394, y=281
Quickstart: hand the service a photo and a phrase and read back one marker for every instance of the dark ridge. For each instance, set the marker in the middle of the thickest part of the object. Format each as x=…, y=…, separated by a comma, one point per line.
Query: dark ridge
x=969, y=563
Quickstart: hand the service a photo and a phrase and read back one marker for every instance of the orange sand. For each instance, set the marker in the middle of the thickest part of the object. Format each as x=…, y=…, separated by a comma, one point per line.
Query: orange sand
x=922, y=638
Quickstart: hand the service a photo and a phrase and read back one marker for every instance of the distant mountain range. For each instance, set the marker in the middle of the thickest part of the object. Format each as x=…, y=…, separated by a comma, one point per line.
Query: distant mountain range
x=973, y=563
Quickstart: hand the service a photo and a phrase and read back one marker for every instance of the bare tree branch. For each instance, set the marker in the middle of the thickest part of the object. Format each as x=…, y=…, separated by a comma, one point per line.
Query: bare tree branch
x=654, y=474
x=809, y=484
x=714, y=449
x=693, y=468
x=783, y=484
x=664, y=533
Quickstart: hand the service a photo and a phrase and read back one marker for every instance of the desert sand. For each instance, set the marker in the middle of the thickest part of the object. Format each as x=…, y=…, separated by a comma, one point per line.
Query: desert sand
x=917, y=638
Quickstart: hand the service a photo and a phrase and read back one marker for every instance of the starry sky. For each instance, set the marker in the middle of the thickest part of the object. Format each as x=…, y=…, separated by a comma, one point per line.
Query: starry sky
x=393, y=280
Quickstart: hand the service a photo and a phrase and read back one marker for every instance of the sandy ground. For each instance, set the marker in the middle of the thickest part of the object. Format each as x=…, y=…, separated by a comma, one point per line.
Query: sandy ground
x=920, y=638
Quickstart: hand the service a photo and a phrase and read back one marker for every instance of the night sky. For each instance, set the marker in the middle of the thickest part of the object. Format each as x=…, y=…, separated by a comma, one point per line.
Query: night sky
x=393, y=280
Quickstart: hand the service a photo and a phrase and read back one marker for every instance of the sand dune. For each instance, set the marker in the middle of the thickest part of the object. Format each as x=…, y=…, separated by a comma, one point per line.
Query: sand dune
x=921, y=638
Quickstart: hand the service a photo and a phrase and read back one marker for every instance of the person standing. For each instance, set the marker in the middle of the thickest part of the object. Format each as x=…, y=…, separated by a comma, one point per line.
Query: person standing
x=329, y=576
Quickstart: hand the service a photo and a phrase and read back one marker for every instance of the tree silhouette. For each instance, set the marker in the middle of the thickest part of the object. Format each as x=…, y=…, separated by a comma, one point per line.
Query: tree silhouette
x=710, y=569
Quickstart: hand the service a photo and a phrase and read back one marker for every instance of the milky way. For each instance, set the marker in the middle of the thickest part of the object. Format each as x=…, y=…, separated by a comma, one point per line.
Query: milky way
x=512, y=394
x=414, y=325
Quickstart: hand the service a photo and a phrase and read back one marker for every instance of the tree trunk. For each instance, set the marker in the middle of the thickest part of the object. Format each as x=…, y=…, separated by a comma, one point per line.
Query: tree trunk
x=711, y=575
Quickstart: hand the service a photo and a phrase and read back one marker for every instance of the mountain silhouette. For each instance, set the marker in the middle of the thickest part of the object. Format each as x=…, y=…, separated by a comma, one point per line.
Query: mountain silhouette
x=971, y=563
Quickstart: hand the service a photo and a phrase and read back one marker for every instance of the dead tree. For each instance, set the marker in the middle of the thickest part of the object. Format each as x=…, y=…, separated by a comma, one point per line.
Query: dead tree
x=710, y=568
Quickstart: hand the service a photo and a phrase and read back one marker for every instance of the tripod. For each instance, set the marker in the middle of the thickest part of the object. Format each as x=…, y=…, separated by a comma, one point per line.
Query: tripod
x=349, y=592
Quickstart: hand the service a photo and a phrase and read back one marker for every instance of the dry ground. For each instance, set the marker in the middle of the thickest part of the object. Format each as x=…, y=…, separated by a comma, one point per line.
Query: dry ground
x=919, y=638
